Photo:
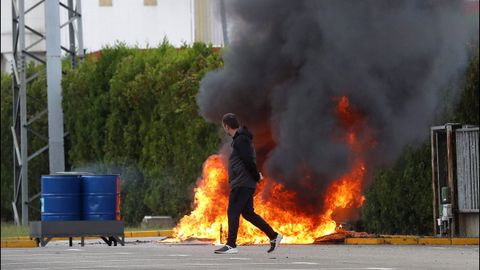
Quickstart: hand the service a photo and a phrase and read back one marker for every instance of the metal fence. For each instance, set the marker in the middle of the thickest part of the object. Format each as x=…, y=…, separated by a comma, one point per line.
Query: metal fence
x=467, y=158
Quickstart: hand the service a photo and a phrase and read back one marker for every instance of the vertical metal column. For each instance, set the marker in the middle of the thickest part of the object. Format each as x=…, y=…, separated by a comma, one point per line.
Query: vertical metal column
x=20, y=122
x=71, y=34
x=54, y=91
x=451, y=177
x=17, y=166
x=80, y=52
x=433, y=145
x=224, y=23
x=23, y=111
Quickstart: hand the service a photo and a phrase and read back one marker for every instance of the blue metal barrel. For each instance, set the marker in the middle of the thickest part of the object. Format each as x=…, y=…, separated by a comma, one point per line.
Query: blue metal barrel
x=60, y=197
x=101, y=197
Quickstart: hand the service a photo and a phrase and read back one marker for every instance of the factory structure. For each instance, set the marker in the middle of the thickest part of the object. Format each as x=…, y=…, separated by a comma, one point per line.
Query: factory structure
x=142, y=23
x=455, y=180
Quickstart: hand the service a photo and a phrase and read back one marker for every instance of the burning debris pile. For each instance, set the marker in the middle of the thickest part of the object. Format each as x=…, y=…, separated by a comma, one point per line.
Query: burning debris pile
x=338, y=237
x=330, y=89
x=274, y=202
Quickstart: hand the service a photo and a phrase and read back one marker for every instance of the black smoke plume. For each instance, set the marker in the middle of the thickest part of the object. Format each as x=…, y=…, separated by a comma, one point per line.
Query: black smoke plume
x=289, y=61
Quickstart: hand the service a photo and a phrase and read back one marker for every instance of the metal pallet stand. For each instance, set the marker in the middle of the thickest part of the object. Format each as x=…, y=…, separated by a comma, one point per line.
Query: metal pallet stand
x=110, y=231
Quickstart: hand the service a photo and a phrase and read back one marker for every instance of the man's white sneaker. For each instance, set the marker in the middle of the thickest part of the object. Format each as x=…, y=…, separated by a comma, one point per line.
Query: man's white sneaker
x=226, y=250
x=274, y=243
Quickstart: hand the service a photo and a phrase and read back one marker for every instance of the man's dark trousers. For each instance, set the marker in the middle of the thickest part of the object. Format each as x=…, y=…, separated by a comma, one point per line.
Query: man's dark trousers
x=240, y=201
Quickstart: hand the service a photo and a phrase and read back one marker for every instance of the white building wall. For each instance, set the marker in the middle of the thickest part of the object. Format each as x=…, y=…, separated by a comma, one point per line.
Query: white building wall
x=136, y=24
x=142, y=23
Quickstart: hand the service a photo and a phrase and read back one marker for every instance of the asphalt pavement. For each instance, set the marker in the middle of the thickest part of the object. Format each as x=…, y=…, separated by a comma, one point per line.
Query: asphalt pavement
x=152, y=253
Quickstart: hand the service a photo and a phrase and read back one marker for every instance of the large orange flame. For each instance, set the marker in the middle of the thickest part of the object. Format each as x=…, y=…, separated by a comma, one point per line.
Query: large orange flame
x=273, y=202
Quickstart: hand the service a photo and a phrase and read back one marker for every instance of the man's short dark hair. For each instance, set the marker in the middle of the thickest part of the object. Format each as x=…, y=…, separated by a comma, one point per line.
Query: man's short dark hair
x=230, y=120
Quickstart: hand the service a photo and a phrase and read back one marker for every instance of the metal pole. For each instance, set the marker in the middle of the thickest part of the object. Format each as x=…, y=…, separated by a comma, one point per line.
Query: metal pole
x=80, y=52
x=71, y=33
x=54, y=77
x=451, y=175
x=433, y=146
x=23, y=110
x=224, y=23
x=15, y=127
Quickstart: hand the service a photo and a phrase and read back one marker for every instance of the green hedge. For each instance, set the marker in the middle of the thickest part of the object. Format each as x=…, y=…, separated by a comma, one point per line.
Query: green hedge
x=133, y=112
x=6, y=173
x=128, y=111
x=399, y=201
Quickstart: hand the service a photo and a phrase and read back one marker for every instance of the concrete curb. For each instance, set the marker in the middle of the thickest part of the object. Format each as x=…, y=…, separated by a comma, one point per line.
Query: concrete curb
x=409, y=240
x=149, y=233
x=24, y=241
x=18, y=244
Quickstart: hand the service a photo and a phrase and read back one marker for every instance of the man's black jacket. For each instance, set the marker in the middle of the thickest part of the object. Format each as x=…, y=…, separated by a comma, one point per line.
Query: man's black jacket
x=242, y=164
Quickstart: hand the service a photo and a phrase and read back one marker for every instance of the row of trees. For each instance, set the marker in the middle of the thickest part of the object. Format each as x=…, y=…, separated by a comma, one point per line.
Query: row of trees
x=127, y=111
x=133, y=112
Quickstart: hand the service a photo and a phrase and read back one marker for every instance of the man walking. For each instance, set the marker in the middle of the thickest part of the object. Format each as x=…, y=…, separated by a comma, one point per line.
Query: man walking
x=243, y=176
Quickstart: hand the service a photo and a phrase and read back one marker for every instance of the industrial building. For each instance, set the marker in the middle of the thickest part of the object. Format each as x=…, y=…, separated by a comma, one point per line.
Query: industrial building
x=142, y=23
